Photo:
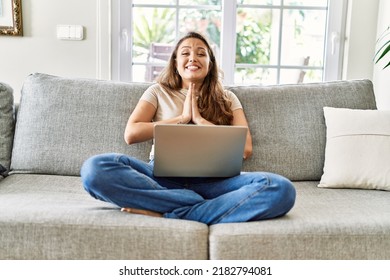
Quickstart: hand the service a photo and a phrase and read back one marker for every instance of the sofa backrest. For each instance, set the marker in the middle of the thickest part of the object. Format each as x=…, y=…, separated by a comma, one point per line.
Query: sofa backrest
x=288, y=126
x=63, y=121
x=6, y=127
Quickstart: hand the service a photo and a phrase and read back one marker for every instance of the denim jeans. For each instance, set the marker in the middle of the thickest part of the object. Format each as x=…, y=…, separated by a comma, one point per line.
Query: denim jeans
x=129, y=182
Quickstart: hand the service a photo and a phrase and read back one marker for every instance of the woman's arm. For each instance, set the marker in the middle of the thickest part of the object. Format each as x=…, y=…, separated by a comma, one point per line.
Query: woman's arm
x=139, y=127
x=239, y=119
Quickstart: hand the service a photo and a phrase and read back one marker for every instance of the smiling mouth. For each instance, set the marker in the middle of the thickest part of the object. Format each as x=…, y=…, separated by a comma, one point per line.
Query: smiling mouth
x=192, y=68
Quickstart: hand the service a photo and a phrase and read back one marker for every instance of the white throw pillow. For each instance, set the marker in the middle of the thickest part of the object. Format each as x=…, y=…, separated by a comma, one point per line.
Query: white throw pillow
x=357, y=153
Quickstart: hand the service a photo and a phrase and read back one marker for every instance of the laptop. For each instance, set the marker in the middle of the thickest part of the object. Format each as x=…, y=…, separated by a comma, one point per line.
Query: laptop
x=198, y=151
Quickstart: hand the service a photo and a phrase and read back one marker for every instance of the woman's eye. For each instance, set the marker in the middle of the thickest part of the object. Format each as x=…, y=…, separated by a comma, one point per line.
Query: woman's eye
x=185, y=53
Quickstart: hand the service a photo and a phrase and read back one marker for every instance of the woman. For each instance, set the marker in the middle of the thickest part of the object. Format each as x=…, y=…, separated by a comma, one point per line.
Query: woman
x=188, y=91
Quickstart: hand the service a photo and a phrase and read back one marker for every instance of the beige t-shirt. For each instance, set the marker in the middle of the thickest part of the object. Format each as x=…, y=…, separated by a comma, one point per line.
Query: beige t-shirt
x=171, y=105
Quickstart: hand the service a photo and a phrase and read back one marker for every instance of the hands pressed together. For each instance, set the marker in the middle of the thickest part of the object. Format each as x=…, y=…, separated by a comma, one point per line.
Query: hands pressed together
x=190, y=109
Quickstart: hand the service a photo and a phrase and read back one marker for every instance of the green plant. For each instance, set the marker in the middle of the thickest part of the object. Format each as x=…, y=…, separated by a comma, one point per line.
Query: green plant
x=253, y=41
x=156, y=26
x=385, y=48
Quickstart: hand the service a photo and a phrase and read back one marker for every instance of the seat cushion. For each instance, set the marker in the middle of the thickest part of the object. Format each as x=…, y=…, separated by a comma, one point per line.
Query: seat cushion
x=64, y=121
x=52, y=217
x=324, y=224
x=6, y=126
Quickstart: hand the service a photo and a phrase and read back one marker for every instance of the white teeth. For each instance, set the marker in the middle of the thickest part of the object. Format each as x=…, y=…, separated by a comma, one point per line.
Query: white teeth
x=192, y=67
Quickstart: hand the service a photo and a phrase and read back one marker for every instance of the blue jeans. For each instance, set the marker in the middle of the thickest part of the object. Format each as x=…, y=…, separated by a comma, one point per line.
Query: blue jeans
x=129, y=182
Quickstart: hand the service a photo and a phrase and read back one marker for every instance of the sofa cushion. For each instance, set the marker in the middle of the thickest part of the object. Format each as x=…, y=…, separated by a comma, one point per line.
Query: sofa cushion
x=288, y=127
x=357, y=149
x=52, y=217
x=64, y=121
x=324, y=224
x=6, y=126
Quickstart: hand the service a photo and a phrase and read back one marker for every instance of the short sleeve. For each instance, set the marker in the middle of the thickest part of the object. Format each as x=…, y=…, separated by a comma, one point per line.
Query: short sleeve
x=150, y=95
x=236, y=104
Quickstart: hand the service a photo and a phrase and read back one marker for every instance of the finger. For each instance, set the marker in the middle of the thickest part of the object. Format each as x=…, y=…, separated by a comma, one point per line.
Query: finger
x=189, y=93
x=193, y=92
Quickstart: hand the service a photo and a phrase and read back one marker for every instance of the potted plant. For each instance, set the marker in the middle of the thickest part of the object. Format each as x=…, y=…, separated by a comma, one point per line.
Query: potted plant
x=385, y=48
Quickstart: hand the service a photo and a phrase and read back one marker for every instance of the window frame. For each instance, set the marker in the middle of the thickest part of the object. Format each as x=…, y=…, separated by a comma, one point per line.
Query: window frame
x=122, y=60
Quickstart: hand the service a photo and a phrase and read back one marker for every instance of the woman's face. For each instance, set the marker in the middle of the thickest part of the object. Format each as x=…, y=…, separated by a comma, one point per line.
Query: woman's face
x=192, y=61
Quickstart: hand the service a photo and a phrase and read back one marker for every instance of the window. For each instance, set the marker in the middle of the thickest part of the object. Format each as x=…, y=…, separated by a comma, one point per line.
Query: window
x=255, y=41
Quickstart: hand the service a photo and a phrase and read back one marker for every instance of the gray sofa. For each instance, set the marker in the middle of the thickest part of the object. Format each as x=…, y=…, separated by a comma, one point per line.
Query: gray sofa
x=46, y=214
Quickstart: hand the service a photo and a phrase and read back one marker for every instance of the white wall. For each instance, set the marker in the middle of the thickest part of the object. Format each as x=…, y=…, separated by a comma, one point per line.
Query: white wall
x=360, y=39
x=382, y=77
x=40, y=51
x=366, y=20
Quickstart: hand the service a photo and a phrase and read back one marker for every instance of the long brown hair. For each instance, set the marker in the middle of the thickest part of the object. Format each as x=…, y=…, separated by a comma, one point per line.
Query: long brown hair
x=212, y=102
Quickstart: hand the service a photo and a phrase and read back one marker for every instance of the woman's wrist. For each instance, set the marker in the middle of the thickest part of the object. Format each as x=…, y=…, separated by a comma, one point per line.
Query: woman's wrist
x=201, y=121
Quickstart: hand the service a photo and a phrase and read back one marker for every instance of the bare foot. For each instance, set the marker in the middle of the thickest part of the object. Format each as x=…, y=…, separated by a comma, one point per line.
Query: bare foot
x=141, y=212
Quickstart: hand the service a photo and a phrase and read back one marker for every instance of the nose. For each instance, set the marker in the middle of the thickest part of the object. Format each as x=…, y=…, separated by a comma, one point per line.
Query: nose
x=192, y=57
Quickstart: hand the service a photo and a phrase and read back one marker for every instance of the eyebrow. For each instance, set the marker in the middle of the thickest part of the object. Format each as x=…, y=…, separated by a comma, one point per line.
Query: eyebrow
x=188, y=47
